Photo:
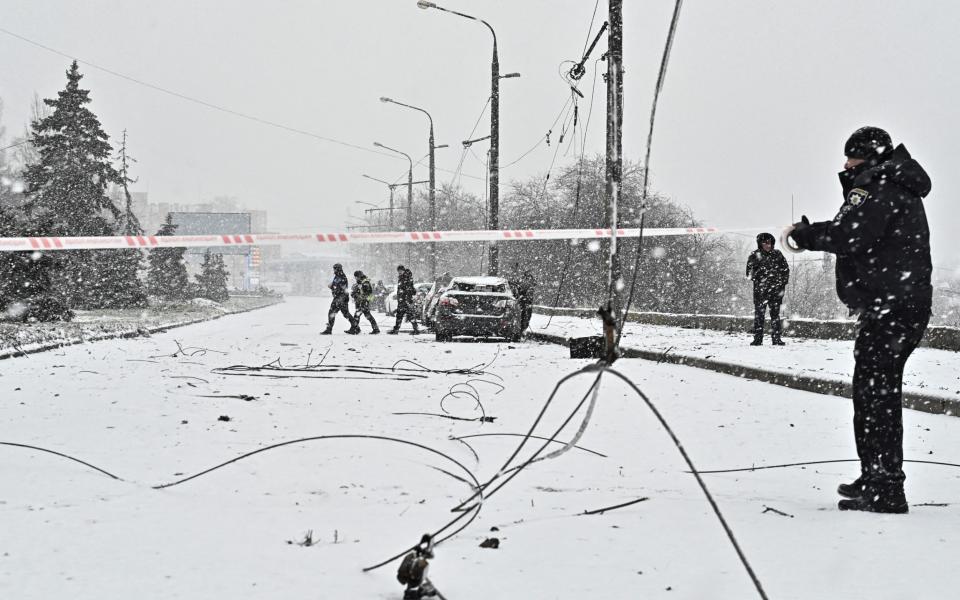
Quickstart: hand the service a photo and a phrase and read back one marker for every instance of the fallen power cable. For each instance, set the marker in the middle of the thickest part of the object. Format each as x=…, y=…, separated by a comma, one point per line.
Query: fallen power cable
x=319, y=370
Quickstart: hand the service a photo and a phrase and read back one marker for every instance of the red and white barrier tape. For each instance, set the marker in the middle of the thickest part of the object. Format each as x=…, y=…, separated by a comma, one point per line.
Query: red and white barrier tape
x=383, y=237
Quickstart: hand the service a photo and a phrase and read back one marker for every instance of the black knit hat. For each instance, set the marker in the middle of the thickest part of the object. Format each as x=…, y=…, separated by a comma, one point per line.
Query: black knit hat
x=766, y=237
x=867, y=141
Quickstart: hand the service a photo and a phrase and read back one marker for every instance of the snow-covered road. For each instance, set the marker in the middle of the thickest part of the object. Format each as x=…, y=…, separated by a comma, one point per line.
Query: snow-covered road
x=149, y=413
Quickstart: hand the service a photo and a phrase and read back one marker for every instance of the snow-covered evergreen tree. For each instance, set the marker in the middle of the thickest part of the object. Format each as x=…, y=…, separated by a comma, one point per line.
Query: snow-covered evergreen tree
x=68, y=191
x=167, y=275
x=212, y=278
x=26, y=292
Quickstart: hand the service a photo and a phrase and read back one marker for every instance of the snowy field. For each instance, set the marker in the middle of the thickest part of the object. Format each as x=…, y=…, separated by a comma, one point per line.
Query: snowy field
x=150, y=414
x=928, y=371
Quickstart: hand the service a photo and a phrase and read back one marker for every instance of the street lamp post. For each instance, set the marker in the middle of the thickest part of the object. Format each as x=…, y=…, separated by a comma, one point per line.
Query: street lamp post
x=494, y=168
x=409, y=189
x=433, y=182
x=390, y=187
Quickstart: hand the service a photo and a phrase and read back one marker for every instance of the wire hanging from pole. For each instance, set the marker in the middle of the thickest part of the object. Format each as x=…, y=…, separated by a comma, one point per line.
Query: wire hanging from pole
x=646, y=162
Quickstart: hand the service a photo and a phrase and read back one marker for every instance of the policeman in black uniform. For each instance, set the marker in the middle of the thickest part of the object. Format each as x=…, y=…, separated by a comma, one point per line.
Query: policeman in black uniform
x=339, y=287
x=882, y=243
x=770, y=273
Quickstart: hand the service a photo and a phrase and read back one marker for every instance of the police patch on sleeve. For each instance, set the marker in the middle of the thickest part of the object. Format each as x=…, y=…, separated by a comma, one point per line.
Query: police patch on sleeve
x=857, y=196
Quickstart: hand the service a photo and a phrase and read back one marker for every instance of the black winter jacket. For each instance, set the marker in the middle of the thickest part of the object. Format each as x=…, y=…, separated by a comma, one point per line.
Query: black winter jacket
x=880, y=236
x=362, y=291
x=769, y=271
x=405, y=288
x=339, y=285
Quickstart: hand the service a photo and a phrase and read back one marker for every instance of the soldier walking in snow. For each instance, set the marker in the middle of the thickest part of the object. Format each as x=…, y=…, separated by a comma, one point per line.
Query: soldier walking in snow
x=882, y=242
x=362, y=293
x=405, y=294
x=341, y=301
x=770, y=273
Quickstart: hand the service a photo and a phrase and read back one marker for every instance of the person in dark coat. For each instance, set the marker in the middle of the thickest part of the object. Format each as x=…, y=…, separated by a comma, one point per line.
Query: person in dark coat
x=525, y=287
x=380, y=294
x=405, y=294
x=341, y=300
x=882, y=242
x=362, y=293
x=770, y=273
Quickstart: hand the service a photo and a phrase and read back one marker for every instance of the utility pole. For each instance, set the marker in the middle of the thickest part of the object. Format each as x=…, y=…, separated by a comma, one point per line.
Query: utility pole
x=391, y=207
x=494, y=155
x=614, y=163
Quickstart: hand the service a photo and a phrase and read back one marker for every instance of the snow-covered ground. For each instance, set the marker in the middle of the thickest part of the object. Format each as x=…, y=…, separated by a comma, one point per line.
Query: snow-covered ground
x=928, y=371
x=92, y=325
x=149, y=413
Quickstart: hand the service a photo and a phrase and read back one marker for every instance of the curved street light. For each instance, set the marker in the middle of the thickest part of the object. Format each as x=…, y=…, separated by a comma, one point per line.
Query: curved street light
x=494, y=169
x=409, y=188
x=433, y=180
x=390, y=187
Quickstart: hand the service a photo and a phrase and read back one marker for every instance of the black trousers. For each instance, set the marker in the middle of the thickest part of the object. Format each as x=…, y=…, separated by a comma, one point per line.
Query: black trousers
x=760, y=304
x=363, y=308
x=341, y=304
x=405, y=309
x=884, y=342
x=526, y=311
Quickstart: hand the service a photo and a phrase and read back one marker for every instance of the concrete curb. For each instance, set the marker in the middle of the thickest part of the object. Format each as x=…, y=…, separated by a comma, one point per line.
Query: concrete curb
x=127, y=333
x=939, y=337
x=922, y=402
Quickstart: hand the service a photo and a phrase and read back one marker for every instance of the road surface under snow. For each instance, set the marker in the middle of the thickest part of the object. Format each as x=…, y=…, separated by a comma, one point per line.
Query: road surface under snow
x=148, y=412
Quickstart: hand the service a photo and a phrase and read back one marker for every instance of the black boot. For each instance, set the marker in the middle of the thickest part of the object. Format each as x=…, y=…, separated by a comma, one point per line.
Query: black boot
x=777, y=342
x=375, y=331
x=756, y=341
x=851, y=490
x=878, y=499
x=393, y=331
x=327, y=331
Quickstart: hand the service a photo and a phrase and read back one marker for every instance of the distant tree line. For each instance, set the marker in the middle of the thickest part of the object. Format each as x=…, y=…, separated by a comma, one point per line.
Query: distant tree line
x=68, y=165
x=698, y=274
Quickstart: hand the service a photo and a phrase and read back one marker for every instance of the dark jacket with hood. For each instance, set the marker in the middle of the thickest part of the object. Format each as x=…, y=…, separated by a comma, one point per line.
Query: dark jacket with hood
x=405, y=288
x=339, y=284
x=880, y=236
x=362, y=290
x=768, y=270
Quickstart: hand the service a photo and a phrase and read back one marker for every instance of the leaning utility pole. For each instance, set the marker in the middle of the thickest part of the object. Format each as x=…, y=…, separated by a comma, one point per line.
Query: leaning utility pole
x=614, y=163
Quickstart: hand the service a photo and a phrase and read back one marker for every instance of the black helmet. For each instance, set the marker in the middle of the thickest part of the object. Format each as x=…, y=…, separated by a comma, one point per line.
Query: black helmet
x=337, y=267
x=358, y=274
x=867, y=141
x=766, y=237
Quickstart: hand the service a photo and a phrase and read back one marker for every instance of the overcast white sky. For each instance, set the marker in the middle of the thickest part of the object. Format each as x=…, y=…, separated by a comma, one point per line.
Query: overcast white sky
x=759, y=99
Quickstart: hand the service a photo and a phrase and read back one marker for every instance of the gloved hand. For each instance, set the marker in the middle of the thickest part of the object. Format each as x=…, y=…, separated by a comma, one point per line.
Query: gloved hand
x=797, y=237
